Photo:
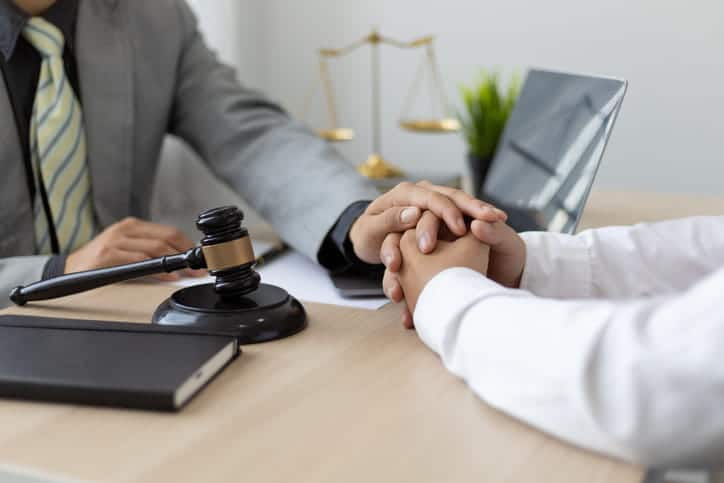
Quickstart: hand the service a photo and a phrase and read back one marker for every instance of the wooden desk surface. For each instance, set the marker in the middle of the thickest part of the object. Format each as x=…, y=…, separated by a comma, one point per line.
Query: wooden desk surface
x=607, y=207
x=352, y=398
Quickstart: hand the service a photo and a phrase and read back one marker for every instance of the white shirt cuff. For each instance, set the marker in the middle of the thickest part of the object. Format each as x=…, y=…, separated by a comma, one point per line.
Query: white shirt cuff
x=445, y=297
x=556, y=265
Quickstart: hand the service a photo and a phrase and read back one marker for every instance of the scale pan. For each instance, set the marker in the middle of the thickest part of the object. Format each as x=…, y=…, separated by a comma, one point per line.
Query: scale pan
x=337, y=134
x=431, y=125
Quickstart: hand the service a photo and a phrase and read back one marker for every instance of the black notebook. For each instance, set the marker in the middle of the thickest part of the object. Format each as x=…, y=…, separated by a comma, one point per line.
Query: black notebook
x=108, y=363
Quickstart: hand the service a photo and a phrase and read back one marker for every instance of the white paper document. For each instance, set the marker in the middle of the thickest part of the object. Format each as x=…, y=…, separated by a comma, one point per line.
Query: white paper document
x=262, y=247
x=302, y=278
x=19, y=474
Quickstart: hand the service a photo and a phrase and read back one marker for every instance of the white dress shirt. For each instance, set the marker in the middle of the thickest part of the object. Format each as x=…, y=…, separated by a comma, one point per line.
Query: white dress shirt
x=615, y=341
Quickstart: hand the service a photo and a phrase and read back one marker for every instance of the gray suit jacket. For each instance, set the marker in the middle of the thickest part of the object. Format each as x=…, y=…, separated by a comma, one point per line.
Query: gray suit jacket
x=145, y=71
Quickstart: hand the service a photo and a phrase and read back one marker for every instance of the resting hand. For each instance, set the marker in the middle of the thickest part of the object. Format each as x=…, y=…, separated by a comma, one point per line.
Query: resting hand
x=506, y=261
x=418, y=268
x=130, y=240
x=423, y=205
x=507, y=251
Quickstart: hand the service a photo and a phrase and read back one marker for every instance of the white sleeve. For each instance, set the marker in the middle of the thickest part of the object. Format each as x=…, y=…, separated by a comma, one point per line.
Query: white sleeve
x=642, y=380
x=618, y=262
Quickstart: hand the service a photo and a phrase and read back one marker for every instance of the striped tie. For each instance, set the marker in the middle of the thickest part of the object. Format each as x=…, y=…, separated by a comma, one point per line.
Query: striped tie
x=58, y=149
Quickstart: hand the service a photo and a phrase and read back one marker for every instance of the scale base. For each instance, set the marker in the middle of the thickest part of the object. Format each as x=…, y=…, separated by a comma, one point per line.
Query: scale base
x=376, y=167
x=268, y=313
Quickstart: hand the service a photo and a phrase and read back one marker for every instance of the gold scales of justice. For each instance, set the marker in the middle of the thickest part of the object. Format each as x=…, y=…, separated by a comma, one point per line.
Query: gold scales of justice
x=376, y=167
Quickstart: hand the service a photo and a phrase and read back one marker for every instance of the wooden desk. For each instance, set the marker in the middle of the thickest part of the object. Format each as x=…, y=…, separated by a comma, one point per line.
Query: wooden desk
x=352, y=398
x=607, y=207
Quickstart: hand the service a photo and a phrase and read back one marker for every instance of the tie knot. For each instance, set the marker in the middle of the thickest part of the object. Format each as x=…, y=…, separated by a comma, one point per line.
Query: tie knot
x=44, y=36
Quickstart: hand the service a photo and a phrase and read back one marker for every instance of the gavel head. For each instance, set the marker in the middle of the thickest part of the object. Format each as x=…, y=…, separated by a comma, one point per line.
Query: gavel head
x=228, y=251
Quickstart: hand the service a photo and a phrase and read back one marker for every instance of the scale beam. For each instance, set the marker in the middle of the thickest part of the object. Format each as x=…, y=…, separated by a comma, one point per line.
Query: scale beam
x=376, y=38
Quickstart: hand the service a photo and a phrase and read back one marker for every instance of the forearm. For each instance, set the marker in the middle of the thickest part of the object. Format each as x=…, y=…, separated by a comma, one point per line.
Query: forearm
x=298, y=182
x=620, y=262
x=625, y=379
x=16, y=271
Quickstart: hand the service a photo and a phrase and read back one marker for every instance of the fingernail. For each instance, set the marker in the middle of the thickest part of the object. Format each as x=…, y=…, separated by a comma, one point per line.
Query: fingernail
x=387, y=259
x=408, y=215
x=501, y=213
x=424, y=241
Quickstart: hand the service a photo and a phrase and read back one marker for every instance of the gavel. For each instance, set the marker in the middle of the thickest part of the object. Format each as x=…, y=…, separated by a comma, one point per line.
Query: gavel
x=225, y=250
x=235, y=301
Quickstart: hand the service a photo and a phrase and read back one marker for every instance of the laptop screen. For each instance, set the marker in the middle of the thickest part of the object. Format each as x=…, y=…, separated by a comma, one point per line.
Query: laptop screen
x=551, y=148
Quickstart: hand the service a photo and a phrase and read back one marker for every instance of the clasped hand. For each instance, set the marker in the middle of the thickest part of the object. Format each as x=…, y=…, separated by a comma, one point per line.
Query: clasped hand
x=488, y=246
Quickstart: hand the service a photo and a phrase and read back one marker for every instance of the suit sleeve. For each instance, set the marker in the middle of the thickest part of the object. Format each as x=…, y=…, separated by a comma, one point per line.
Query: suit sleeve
x=16, y=271
x=294, y=179
x=620, y=262
x=640, y=380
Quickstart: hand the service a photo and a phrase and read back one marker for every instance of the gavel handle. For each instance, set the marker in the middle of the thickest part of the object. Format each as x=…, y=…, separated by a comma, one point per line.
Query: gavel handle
x=81, y=281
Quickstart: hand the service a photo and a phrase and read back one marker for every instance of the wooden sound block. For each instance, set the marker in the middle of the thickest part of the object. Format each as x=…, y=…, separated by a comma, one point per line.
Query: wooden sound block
x=265, y=314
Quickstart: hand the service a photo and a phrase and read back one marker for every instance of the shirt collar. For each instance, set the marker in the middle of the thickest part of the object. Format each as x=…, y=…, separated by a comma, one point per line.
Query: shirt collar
x=62, y=14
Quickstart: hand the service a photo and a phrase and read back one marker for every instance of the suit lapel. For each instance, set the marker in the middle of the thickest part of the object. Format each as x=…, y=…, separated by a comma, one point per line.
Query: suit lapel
x=105, y=71
x=16, y=216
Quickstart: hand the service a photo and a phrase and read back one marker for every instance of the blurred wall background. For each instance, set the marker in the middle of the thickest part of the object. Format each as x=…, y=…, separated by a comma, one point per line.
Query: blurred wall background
x=668, y=137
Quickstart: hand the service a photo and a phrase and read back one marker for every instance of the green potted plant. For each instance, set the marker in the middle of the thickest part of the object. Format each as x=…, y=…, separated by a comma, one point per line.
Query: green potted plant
x=486, y=109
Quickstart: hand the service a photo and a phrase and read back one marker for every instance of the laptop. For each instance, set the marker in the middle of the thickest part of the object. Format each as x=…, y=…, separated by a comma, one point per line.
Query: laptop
x=551, y=148
x=546, y=160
